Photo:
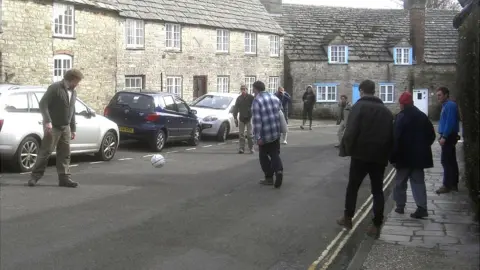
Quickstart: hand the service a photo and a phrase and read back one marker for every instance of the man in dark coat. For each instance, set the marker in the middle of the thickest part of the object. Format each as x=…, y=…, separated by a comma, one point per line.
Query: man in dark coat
x=368, y=140
x=412, y=153
x=242, y=111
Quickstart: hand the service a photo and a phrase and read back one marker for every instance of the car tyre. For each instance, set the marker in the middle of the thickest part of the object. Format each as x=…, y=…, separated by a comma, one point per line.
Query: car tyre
x=108, y=147
x=223, y=132
x=158, y=141
x=195, y=137
x=27, y=154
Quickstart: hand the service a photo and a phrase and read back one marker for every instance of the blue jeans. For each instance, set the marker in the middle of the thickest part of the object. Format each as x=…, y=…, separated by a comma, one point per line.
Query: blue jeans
x=269, y=155
x=417, y=182
x=451, y=173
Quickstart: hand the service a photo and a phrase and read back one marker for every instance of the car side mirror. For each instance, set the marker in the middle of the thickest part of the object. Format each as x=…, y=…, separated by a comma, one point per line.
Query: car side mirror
x=193, y=111
x=92, y=113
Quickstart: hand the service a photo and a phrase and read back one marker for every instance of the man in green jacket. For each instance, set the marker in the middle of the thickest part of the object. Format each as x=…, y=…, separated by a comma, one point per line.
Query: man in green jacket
x=58, y=112
x=343, y=110
x=242, y=113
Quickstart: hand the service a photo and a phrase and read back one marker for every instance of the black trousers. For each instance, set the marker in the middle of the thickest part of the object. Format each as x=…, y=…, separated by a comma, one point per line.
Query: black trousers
x=448, y=158
x=358, y=170
x=307, y=113
x=269, y=156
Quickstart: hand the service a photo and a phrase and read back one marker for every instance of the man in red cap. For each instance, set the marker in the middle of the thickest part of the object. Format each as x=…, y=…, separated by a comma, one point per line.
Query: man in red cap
x=412, y=153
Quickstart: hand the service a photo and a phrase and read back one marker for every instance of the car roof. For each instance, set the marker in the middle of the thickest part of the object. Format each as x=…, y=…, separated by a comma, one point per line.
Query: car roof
x=147, y=93
x=223, y=94
x=11, y=87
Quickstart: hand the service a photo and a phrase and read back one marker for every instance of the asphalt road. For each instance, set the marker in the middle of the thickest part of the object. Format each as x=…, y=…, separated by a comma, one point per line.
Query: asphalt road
x=203, y=210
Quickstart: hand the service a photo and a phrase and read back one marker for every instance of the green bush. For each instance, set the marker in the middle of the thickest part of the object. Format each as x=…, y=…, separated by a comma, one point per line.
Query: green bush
x=468, y=82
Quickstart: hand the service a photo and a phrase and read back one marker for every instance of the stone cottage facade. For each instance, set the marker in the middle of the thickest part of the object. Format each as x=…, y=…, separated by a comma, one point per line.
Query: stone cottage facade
x=188, y=48
x=334, y=49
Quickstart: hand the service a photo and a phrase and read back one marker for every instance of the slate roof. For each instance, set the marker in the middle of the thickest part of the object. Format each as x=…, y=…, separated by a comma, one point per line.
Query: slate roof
x=248, y=15
x=368, y=32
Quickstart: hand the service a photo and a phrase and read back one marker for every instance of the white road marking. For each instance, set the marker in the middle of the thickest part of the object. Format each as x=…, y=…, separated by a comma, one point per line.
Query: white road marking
x=151, y=155
x=327, y=250
x=222, y=143
x=207, y=146
x=235, y=141
x=190, y=149
x=125, y=158
x=73, y=165
x=25, y=173
x=171, y=152
x=96, y=162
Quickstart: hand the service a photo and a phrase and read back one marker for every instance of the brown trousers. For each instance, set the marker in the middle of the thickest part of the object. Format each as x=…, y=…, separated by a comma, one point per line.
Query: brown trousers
x=59, y=139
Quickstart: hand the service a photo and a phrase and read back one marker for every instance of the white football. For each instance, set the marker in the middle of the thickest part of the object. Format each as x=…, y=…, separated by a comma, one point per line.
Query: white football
x=158, y=161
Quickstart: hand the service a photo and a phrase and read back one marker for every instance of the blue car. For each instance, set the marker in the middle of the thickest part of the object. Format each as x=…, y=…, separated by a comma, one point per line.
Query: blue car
x=154, y=117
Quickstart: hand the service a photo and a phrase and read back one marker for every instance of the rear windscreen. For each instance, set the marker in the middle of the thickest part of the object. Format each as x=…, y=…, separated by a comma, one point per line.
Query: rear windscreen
x=134, y=101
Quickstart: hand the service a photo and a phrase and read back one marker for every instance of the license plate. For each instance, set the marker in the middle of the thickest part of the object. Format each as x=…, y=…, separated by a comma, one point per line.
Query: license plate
x=125, y=129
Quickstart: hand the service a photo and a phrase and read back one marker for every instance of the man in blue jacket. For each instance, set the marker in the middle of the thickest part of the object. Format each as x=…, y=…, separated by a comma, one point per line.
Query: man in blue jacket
x=448, y=128
x=414, y=135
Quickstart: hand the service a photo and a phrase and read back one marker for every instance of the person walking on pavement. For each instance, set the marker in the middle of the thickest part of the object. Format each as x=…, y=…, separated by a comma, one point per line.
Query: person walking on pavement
x=309, y=99
x=266, y=110
x=448, y=128
x=242, y=111
x=285, y=99
x=57, y=107
x=414, y=135
x=368, y=140
x=344, y=108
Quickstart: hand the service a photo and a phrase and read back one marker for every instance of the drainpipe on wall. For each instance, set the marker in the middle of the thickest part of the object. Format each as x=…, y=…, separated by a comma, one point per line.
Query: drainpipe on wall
x=161, y=82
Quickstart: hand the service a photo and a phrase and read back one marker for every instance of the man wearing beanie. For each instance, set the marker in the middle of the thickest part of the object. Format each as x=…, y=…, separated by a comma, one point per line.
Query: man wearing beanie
x=414, y=135
x=368, y=140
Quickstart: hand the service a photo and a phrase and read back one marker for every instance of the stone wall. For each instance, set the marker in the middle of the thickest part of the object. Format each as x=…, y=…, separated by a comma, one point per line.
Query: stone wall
x=197, y=57
x=303, y=73
x=28, y=48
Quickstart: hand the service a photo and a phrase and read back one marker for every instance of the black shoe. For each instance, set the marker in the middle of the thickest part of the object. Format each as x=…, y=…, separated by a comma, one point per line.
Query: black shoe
x=278, y=179
x=68, y=183
x=302, y=127
x=267, y=182
x=374, y=231
x=241, y=151
x=419, y=213
x=346, y=222
x=32, y=182
x=400, y=210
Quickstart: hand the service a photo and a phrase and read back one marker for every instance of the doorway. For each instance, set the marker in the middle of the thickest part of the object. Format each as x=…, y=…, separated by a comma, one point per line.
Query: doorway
x=199, y=86
x=420, y=99
x=355, y=93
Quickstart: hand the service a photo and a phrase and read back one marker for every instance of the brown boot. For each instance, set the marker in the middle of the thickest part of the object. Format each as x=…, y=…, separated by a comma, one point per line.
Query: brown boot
x=443, y=190
x=374, y=231
x=345, y=222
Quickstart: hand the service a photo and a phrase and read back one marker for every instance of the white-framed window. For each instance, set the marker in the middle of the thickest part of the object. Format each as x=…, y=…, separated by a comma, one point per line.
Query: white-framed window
x=387, y=93
x=249, y=80
x=63, y=20
x=223, y=40
x=250, y=43
x=133, y=83
x=274, y=45
x=326, y=93
x=402, y=56
x=134, y=33
x=338, y=54
x=61, y=63
x=223, y=84
x=174, y=85
x=173, y=36
x=273, y=84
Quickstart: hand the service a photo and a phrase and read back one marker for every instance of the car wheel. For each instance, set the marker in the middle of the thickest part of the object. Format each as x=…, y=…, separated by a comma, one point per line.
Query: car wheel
x=27, y=154
x=158, y=141
x=222, y=132
x=108, y=148
x=195, y=139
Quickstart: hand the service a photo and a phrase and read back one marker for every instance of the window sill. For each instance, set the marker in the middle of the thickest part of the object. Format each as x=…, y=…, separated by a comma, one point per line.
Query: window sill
x=251, y=54
x=388, y=102
x=63, y=37
x=337, y=63
x=397, y=64
x=173, y=50
x=275, y=56
x=326, y=101
x=222, y=53
x=135, y=48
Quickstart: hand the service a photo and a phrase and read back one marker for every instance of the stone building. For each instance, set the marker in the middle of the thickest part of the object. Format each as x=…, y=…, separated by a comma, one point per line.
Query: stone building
x=334, y=49
x=185, y=47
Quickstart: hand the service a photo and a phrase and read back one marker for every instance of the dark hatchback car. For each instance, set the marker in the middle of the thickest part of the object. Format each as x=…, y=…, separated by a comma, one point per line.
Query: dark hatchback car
x=153, y=117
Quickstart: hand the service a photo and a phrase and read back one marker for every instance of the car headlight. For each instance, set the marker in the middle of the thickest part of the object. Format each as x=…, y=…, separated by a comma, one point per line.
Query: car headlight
x=210, y=118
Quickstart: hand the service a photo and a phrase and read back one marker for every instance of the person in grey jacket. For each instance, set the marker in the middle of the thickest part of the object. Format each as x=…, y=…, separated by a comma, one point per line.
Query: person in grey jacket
x=242, y=113
x=58, y=111
x=344, y=108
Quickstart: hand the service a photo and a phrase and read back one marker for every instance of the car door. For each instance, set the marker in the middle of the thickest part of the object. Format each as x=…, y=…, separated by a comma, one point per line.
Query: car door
x=35, y=114
x=172, y=116
x=88, y=131
x=188, y=121
x=17, y=111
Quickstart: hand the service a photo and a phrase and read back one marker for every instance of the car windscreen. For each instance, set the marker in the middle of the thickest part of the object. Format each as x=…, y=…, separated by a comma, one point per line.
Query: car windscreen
x=134, y=101
x=212, y=102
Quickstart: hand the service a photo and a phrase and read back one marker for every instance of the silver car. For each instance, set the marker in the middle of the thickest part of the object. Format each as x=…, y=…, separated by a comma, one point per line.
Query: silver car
x=21, y=128
x=214, y=113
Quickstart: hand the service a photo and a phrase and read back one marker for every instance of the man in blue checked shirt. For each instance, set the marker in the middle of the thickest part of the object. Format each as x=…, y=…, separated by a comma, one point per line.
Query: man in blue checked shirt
x=266, y=129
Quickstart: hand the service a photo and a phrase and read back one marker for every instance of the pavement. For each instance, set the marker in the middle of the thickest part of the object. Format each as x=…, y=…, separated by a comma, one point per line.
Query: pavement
x=203, y=210
x=448, y=239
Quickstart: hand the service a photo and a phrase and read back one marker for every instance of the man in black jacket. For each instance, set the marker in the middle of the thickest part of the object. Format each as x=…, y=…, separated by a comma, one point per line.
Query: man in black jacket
x=368, y=140
x=412, y=153
x=242, y=113
x=58, y=111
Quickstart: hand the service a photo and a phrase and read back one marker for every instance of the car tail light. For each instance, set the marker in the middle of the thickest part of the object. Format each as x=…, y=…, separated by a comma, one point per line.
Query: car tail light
x=152, y=117
x=1, y=124
x=106, y=111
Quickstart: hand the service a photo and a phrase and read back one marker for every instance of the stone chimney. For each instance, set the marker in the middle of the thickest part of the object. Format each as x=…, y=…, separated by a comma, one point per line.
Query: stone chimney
x=273, y=6
x=416, y=10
